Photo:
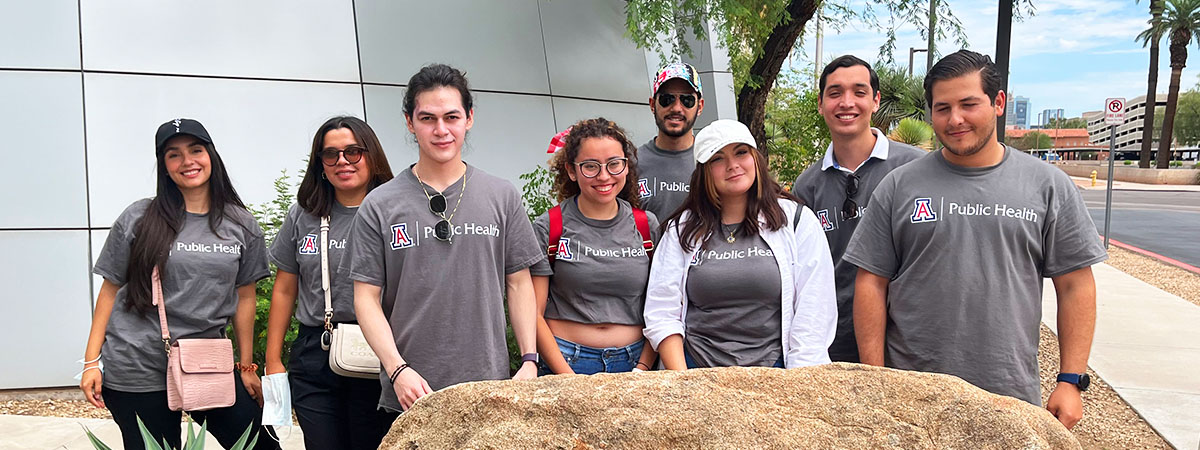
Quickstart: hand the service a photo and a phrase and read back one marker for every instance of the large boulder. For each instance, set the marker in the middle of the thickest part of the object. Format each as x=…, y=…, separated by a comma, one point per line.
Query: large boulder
x=830, y=406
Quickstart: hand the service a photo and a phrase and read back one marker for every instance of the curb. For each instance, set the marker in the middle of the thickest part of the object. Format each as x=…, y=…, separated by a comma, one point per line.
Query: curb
x=1161, y=258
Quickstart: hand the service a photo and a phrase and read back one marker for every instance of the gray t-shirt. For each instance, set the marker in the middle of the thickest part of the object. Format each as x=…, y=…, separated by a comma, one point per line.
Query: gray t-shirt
x=966, y=250
x=445, y=304
x=199, y=282
x=734, y=310
x=663, y=178
x=297, y=250
x=601, y=268
x=824, y=191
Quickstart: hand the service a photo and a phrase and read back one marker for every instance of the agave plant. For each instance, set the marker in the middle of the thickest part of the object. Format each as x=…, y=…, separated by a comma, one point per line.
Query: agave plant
x=913, y=132
x=194, y=441
x=901, y=96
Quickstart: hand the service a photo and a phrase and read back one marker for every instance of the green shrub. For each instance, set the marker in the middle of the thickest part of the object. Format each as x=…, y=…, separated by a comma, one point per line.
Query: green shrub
x=194, y=441
x=1128, y=162
x=270, y=217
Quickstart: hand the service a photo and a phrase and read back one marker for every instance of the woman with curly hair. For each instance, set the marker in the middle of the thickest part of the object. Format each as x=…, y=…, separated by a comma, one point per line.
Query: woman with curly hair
x=591, y=290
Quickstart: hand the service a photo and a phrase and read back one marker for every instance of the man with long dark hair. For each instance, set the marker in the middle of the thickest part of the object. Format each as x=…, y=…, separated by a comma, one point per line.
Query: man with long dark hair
x=953, y=248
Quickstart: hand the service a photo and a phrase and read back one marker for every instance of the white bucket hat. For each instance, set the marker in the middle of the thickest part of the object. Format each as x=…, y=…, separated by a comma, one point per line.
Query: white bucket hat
x=717, y=135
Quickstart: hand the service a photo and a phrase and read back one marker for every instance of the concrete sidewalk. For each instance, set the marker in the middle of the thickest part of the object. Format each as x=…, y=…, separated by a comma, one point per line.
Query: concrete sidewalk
x=41, y=433
x=1086, y=183
x=1147, y=347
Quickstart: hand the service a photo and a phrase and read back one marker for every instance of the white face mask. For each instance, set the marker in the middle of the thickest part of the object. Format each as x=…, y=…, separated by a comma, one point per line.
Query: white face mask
x=277, y=400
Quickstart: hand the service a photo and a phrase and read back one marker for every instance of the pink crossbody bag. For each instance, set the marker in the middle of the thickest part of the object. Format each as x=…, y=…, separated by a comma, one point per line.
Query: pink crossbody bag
x=199, y=371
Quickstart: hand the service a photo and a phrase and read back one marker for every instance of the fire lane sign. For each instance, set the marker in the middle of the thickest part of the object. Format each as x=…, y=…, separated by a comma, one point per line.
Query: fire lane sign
x=1114, y=111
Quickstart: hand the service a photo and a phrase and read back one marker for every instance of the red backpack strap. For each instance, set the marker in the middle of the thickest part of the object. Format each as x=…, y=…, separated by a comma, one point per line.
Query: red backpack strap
x=643, y=227
x=556, y=229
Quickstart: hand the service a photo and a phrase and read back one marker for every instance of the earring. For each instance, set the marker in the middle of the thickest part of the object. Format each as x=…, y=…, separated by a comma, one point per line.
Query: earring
x=323, y=175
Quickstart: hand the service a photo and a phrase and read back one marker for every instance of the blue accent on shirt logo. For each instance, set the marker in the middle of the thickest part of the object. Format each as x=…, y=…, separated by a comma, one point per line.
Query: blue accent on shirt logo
x=922, y=211
x=400, y=237
x=564, y=252
x=644, y=188
x=308, y=246
x=826, y=224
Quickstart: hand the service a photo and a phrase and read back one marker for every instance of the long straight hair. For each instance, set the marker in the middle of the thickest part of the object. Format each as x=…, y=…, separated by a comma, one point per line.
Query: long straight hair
x=162, y=221
x=317, y=194
x=703, y=205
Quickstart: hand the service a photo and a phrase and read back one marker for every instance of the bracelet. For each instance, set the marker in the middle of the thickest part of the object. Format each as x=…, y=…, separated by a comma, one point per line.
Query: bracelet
x=252, y=367
x=90, y=368
x=92, y=361
x=647, y=367
x=396, y=373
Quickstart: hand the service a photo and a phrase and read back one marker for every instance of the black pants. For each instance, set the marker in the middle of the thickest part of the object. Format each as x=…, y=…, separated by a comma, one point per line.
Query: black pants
x=225, y=424
x=335, y=412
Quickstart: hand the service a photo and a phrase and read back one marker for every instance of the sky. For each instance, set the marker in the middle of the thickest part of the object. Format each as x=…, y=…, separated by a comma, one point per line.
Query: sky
x=1071, y=54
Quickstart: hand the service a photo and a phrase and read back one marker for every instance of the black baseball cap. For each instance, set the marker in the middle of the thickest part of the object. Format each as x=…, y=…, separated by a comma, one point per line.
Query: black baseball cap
x=177, y=127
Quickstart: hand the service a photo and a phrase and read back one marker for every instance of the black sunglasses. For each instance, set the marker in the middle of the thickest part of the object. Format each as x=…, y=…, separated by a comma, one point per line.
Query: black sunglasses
x=850, y=207
x=666, y=100
x=441, y=230
x=353, y=155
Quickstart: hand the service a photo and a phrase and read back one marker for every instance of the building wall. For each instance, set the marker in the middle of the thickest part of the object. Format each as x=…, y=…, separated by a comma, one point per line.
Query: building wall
x=85, y=84
x=1129, y=133
x=1017, y=112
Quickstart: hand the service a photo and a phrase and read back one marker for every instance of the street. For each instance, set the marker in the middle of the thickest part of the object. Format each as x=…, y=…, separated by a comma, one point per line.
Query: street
x=1164, y=222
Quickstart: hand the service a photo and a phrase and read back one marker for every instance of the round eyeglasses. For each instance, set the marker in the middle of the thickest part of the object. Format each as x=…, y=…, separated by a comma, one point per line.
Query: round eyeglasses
x=353, y=155
x=591, y=168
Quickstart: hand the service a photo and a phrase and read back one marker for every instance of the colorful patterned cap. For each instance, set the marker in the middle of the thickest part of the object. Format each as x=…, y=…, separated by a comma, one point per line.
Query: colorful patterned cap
x=559, y=141
x=682, y=71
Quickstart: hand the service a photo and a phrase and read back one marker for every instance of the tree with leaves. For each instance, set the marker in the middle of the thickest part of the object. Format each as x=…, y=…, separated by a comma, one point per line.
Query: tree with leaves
x=1187, y=119
x=1156, y=8
x=759, y=35
x=1180, y=23
x=1073, y=122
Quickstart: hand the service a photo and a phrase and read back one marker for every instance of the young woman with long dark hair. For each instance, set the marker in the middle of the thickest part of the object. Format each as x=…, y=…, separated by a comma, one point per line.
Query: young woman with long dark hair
x=742, y=276
x=592, y=291
x=335, y=411
x=209, y=252
x=434, y=252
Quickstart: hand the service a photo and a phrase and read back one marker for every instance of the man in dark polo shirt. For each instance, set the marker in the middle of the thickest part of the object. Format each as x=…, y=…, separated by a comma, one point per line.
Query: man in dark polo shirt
x=838, y=186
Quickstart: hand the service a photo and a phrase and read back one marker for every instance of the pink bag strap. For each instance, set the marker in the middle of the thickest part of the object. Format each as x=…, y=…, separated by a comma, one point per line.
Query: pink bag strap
x=156, y=288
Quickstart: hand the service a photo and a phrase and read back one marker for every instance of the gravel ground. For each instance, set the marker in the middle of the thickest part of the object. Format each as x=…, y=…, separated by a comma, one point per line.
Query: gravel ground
x=1164, y=276
x=1108, y=421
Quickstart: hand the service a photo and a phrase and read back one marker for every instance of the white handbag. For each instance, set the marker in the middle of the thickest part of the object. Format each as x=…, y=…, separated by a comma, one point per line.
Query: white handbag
x=349, y=353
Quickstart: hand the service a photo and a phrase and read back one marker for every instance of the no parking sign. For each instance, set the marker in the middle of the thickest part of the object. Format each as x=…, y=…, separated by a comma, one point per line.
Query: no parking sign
x=1114, y=111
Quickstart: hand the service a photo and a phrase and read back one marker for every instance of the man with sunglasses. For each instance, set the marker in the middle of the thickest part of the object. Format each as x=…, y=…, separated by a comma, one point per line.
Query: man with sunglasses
x=838, y=186
x=665, y=163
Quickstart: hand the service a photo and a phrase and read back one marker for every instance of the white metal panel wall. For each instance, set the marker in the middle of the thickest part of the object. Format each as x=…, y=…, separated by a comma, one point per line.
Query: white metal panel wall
x=261, y=76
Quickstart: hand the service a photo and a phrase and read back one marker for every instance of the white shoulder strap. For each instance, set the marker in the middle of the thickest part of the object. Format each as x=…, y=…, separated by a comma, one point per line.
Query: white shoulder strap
x=325, y=272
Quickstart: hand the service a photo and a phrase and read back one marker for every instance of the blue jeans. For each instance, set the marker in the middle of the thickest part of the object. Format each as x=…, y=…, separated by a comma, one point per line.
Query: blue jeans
x=586, y=360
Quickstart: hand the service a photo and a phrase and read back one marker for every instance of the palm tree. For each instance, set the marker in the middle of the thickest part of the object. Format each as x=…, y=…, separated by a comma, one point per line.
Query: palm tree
x=901, y=96
x=1180, y=23
x=1151, y=87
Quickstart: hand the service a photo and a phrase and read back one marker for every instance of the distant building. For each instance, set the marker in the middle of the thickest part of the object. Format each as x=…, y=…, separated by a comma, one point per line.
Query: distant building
x=1049, y=114
x=1017, y=112
x=1129, y=134
x=1062, y=137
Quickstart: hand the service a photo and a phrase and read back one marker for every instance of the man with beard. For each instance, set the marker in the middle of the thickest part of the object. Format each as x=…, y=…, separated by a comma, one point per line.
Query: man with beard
x=838, y=186
x=666, y=162
x=953, y=248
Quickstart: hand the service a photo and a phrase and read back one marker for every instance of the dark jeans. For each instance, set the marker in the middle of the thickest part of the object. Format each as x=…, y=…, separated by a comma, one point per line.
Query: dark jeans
x=335, y=412
x=225, y=424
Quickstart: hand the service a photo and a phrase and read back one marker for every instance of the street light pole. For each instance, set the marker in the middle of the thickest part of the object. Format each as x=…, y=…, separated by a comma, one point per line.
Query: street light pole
x=912, y=50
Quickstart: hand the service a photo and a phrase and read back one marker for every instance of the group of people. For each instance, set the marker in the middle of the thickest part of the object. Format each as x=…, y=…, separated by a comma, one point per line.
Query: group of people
x=681, y=253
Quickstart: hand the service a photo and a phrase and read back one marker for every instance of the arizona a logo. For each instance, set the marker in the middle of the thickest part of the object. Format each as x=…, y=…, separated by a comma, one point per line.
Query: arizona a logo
x=309, y=245
x=922, y=212
x=564, y=250
x=400, y=237
x=643, y=188
x=695, y=259
x=823, y=216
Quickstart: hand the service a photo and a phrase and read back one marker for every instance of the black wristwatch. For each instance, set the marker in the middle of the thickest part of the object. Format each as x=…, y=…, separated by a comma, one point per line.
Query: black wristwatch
x=530, y=357
x=1080, y=380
